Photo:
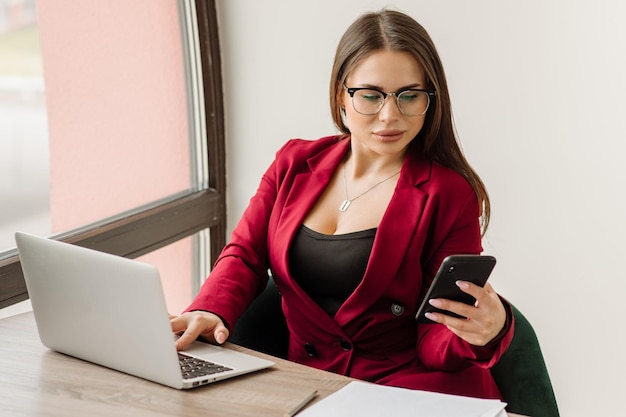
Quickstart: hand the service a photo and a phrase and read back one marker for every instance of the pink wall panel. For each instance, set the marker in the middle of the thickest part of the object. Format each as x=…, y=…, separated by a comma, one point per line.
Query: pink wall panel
x=117, y=116
x=116, y=106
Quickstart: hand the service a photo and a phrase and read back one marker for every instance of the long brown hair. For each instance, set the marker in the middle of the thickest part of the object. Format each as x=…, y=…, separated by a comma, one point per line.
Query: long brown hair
x=395, y=31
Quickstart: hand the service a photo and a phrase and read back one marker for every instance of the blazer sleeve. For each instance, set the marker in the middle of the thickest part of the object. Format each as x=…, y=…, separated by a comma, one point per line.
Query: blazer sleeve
x=439, y=348
x=442, y=350
x=241, y=271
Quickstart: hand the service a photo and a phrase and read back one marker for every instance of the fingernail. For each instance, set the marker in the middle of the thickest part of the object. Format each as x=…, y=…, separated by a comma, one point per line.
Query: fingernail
x=220, y=338
x=435, y=303
x=432, y=316
x=462, y=284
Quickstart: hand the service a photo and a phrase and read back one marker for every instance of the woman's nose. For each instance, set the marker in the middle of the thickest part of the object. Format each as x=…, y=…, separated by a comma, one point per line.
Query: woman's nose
x=390, y=109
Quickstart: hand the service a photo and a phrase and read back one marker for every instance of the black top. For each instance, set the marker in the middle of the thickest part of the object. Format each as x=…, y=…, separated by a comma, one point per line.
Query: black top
x=330, y=267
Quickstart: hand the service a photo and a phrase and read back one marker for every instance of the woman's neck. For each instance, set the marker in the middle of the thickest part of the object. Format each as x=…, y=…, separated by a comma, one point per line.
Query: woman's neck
x=363, y=164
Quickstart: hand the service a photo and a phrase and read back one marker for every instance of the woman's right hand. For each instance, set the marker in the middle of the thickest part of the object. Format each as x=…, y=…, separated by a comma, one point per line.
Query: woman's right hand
x=194, y=324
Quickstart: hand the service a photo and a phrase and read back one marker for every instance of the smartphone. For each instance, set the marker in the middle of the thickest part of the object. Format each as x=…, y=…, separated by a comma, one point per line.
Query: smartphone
x=471, y=268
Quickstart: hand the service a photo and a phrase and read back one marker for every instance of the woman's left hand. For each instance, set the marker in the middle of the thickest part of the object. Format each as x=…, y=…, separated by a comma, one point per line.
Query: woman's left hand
x=485, y=319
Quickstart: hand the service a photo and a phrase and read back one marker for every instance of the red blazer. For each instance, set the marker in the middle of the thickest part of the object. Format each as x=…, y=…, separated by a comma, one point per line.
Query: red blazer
x=374, y=336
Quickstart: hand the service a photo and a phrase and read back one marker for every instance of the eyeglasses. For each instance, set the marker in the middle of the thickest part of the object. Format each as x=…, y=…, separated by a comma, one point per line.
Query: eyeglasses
x=410, y=101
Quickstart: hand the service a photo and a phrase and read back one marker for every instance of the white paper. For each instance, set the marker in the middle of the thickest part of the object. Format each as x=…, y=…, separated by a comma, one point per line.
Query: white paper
x=363, y=399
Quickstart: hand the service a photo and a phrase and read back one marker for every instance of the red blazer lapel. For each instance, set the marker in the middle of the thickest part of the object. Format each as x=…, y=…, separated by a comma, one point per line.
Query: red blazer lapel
x=306, y=187
x=394, y=234
x=397, y=228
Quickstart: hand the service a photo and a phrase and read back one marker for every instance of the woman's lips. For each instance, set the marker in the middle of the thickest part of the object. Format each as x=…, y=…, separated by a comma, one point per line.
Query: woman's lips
x=389, y=135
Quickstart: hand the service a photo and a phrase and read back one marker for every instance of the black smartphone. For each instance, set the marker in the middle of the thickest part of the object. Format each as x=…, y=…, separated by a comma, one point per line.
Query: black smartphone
x=471, y=268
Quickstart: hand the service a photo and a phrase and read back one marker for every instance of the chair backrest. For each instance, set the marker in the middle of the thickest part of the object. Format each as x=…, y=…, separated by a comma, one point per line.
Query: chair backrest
x=522, y=376
x=262, y=326
x=521, y=373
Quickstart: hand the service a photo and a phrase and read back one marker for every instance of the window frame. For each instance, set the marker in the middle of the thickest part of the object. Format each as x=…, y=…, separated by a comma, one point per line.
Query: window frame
x=151, y=228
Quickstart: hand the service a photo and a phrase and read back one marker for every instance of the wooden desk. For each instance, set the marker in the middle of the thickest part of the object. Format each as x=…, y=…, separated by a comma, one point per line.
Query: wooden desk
x=35, y=381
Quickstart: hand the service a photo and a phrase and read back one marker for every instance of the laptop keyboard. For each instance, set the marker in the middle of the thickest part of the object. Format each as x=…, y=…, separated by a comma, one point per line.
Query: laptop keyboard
x=194, y=367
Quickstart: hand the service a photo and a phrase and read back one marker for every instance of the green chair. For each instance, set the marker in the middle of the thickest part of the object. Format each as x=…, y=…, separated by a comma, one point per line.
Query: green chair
x=262, y=326
x=522, y=376
x=521, y=373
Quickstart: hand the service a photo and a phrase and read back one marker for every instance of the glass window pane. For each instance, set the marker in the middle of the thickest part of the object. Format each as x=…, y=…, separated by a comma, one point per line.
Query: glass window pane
x=116, y=135
x=24, y=155
x=124, y=130
x=117, y=111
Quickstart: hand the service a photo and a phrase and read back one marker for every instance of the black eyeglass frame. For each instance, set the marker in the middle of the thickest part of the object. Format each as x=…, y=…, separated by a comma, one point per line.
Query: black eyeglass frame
x=352, y=90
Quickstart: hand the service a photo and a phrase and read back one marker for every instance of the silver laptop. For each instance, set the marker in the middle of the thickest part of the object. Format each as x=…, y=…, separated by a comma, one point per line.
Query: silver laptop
x=111, y=311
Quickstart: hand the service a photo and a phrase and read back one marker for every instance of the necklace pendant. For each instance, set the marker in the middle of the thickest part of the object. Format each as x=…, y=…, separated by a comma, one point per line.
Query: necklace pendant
x=344, y=206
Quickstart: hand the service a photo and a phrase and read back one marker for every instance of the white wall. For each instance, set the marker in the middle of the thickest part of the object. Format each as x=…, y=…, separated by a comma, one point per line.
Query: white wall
x=538, y=91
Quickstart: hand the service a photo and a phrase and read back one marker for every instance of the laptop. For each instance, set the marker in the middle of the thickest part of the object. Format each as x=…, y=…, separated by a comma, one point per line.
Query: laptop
x=111, y=311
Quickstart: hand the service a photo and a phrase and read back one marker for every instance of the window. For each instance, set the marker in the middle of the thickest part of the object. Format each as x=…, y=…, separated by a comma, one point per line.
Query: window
x=24, y=155
x=137, y=227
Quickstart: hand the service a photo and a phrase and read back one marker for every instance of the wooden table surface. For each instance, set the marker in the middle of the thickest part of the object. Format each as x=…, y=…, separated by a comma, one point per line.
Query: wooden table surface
x=35, y=381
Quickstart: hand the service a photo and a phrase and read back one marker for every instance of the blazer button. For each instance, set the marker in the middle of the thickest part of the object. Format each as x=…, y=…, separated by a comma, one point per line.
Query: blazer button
x=345, y=345
x=310, y=349
x=397, y=309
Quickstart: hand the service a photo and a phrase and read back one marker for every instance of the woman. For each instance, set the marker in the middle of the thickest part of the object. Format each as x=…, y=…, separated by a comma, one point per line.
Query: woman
x=353, y=228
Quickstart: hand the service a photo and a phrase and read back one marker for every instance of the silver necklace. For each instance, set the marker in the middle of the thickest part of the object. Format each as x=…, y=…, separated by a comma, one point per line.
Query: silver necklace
x=346, y=203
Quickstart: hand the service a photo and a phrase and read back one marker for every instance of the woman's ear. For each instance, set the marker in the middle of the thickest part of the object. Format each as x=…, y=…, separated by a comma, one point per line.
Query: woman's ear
x=341, y=100
x=343, y=117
